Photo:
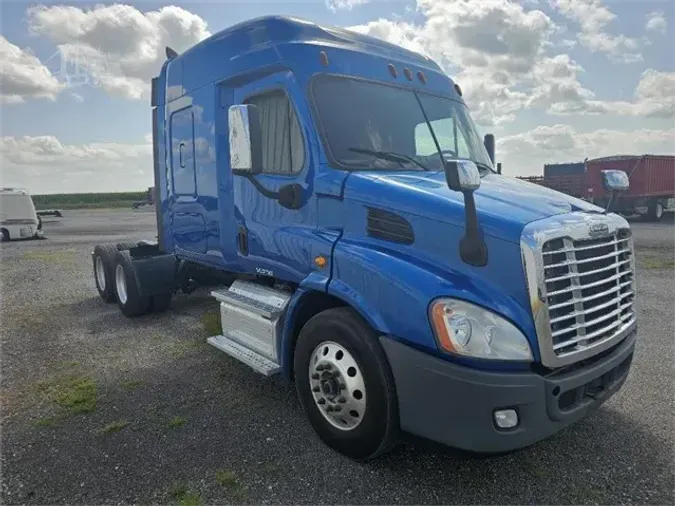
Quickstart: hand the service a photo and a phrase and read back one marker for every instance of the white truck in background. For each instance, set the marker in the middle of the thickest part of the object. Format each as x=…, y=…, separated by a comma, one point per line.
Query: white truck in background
x=18, y=219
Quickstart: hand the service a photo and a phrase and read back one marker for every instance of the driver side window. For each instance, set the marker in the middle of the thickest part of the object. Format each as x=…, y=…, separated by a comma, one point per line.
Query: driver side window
x=449, y=137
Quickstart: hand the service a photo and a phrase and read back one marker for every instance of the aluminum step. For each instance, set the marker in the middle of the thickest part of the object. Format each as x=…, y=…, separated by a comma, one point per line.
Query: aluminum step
x=249, y=357
x=261, y=300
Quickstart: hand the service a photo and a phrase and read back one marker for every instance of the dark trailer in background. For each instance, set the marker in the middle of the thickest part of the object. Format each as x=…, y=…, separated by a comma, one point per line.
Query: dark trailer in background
x=569, y=178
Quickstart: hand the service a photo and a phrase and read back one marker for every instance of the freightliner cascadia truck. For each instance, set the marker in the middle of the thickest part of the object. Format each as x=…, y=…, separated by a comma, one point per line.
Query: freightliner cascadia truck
x=336, y=190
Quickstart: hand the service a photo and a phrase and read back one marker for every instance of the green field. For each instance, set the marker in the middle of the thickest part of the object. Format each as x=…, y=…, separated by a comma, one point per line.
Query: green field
x=88, y=200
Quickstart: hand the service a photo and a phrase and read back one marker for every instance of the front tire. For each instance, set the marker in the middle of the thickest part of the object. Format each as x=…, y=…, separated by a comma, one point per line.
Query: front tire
x=129, y=299
x=104, y=260
x=345, y=384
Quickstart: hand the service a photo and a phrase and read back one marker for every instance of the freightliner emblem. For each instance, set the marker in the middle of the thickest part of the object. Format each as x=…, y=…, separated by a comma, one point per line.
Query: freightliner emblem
x=598, y=229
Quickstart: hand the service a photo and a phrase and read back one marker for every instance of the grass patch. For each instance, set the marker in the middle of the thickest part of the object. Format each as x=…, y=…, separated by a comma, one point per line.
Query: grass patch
x=229, y=481
x=48, y=421
x=55, y=257
x=180, y=348
x=87, y=200
x=75, y=393
x=114, y=427
x=131, y=385
x=211, y=323
x=183, y=496
x=176, y=422
x=657, y=263
x=588, y=494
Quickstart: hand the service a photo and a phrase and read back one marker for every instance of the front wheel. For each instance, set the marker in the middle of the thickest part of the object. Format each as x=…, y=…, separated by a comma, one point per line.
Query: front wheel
x=345, y=385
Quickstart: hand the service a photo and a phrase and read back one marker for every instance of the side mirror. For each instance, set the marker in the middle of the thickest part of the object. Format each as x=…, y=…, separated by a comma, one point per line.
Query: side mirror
x=615, y=180
x=245, y=139
x=462, y=175
x=489, y=143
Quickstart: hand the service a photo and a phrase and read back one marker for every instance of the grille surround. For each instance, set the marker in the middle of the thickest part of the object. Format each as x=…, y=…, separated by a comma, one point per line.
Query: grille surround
x=581, y=284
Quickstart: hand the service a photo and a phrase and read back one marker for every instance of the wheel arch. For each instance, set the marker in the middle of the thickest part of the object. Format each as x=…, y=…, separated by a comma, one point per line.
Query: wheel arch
x=305, y=304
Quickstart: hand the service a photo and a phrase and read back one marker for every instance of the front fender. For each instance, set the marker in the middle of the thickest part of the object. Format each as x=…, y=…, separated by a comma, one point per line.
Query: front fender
x=392, y=291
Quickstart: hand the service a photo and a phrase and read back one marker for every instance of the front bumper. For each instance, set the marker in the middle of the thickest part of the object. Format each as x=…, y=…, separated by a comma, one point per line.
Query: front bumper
x=454, y=405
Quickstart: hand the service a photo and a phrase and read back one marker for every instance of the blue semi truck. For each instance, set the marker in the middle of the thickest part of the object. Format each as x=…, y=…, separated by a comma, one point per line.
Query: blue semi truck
x=334, y=191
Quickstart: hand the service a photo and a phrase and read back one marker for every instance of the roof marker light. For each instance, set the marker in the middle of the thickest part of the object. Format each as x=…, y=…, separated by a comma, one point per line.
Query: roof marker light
x=407, y=73
x=458, y=89
x=392, y=70
x=324, y=58
x=422, y=77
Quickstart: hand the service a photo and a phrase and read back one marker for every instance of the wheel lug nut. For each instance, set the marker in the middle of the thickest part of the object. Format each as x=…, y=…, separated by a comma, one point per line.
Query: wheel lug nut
x=321, y=401
x=316, y=389
x=315, y=376
x=319, y=367
x=342, y=386
x=329, y=408
x=327, y=367
x=341, y=400
x=337, y=408
x=336, y=374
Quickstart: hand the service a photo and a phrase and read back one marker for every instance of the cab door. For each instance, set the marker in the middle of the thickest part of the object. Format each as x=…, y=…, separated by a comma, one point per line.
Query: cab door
x=275, y=210
x=187, y=220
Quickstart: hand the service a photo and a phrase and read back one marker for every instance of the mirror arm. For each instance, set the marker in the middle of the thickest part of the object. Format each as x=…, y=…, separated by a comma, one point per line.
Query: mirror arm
x=472, y=247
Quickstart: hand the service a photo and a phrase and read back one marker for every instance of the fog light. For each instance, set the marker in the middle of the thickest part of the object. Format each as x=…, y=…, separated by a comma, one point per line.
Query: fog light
x=506, y=418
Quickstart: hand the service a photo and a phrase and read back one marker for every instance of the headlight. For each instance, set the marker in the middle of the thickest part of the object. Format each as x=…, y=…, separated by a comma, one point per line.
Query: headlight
x=466, y=329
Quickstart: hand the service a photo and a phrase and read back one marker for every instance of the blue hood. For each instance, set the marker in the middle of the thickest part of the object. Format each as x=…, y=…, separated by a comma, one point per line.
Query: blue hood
x=505, y=205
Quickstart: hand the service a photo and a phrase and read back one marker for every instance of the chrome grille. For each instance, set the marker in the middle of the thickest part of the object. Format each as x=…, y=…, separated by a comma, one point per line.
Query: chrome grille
x=588, y=288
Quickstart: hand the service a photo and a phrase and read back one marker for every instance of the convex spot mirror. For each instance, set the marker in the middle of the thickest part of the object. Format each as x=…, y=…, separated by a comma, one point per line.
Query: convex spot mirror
x=615, y=180
x=245, y=139
x=462, y=175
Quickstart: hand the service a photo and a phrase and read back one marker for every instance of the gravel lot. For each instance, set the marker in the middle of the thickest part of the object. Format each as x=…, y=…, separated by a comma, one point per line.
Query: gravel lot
x=100, y=409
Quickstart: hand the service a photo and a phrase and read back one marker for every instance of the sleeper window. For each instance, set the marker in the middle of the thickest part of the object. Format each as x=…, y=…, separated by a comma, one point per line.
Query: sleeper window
x=283, y=150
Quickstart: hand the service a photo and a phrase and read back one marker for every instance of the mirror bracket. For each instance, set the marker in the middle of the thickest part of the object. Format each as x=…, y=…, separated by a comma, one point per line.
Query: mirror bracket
x=614, y=181
x=463, y=176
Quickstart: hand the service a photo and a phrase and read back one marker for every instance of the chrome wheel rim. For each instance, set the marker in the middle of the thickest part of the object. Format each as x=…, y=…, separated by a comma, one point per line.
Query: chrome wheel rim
x=337, y=385
x=100, y=273
x=121, y=284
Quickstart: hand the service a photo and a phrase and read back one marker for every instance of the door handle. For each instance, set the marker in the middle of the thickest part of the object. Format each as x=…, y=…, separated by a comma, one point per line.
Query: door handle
x=180, y=154
x=290, y=196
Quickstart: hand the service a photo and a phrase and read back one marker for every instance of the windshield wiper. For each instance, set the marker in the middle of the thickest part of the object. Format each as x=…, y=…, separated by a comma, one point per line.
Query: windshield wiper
x=389, y=156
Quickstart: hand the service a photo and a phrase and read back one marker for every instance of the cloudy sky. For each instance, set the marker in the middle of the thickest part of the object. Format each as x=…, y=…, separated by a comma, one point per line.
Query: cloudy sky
x=555, y=80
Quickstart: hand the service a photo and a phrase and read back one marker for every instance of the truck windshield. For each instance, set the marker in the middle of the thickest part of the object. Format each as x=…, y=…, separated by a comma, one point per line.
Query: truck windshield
x=370, y=126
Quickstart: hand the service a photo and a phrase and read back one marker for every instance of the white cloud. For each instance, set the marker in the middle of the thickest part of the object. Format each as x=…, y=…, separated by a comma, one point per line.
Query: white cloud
x=656, y=22
x=593, y=18
x=488, y=46
x=24, y=76
x=119, y=46
x=43, y=164
x=654, y=97
x=335, y=5
x=655, y=94
x=526, y=153
x=498, y=51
